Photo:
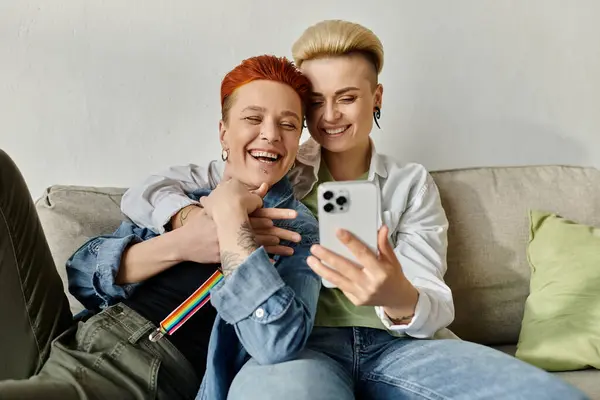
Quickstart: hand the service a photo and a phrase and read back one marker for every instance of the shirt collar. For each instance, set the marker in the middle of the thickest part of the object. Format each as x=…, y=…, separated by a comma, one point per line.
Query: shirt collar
x=309, y=154
x=279, y=192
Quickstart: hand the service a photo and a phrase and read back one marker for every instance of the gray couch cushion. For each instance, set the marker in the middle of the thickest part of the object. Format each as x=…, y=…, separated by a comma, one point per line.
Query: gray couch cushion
x=488, y=213
x=71, y=215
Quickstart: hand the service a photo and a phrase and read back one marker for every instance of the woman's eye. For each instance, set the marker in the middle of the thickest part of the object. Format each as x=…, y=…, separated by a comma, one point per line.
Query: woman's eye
x=316, y=104
x=289, y=126
x=348, y=99
x=254, y=120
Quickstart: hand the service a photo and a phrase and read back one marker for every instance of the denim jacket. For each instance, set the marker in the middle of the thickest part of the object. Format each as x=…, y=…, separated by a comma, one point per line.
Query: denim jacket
x=265, y=311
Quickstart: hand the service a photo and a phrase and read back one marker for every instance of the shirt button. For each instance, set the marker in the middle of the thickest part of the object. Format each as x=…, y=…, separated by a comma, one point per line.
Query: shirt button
x=259, y=313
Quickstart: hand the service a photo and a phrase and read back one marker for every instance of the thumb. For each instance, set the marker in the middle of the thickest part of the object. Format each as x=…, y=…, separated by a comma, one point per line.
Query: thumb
x=202, y=201
x=262, y=190
x=385, y=248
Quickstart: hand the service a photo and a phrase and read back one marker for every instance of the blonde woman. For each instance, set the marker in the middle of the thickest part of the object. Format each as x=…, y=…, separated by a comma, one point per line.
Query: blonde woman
x=369, y=333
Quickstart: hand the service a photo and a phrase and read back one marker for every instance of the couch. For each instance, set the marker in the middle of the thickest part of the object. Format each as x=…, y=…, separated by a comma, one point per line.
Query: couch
x=487, y=265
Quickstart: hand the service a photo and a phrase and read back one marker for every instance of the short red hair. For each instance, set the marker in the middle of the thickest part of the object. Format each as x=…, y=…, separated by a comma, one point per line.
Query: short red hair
x=265, y=67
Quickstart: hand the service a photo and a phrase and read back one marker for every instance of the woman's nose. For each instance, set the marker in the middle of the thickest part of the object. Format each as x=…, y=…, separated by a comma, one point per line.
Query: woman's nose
x=331, y=112
x=270, y=132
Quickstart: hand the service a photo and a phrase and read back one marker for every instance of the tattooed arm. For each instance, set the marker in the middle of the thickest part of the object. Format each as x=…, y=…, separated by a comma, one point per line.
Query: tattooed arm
x=236, y=240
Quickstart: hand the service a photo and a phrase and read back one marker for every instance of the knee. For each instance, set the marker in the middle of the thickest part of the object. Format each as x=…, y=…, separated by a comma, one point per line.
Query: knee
x=309, y=376
x=8, y=168
x=4, y=159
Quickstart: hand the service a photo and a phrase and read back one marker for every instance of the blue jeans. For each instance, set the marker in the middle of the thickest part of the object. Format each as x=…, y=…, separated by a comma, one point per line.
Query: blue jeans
x=364, y=363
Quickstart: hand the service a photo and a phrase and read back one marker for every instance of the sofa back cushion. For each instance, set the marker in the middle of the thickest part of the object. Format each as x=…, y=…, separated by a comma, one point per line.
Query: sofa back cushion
x=71, y=215
x=487, y=209
x=488, y=235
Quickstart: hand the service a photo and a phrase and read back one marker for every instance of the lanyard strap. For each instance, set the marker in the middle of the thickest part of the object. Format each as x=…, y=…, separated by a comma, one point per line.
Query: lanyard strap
x=187, y=309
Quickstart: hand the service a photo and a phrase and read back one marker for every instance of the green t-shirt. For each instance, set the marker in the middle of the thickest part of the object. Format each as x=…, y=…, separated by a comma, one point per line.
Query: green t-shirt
x=334, y=309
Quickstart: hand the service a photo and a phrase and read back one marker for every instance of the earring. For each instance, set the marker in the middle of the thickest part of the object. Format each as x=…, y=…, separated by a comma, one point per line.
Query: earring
x=377, y=116
x=225, y=154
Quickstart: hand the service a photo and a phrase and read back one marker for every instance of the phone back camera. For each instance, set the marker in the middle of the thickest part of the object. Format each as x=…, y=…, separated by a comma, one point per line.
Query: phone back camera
x=328, y=207
x=328, y=195
x=337, y=201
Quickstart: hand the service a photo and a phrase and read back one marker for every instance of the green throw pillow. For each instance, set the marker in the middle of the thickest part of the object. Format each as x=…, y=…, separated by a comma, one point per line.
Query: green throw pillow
x=561, y=324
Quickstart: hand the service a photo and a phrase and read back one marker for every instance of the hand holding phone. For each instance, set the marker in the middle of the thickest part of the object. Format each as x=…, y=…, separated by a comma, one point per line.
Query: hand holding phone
x=350, y=205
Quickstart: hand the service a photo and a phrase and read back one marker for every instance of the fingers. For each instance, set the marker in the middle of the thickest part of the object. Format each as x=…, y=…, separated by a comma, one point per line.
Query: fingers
x=365, y=256
x=260, y=223
x=282, y=234
x=266, y=240
x=341, y=264
x=275, y=213
x=385, y=248
x=333, y=276
x=279, y=250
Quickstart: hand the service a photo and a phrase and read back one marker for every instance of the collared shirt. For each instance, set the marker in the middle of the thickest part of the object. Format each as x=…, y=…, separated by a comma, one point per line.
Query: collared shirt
x=265, y=311
x=410, y=206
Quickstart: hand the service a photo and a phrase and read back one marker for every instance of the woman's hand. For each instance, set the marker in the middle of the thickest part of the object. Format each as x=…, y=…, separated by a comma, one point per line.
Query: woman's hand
x=203, y=231
x=270, y=236
x=374, y=281
x=198, y=237
x=232, y=197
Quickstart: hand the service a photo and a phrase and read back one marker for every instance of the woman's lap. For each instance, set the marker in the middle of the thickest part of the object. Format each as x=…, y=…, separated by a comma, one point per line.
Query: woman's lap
x=109, y=356
x=370, y=364
x=454, y=369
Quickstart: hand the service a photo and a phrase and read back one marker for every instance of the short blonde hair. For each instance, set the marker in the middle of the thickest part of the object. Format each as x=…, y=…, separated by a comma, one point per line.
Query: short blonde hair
x=336, y=38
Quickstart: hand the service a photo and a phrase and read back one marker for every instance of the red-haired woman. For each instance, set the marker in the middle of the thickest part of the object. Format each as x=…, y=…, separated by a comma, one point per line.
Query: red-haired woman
x=264, y=306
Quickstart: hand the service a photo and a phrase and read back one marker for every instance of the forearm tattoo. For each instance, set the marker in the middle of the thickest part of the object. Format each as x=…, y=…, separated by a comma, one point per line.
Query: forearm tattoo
x=246, y=241
x=229, y=262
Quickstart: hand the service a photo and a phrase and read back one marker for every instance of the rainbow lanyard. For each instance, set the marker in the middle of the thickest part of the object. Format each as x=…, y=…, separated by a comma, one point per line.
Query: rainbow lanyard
x=187, y=309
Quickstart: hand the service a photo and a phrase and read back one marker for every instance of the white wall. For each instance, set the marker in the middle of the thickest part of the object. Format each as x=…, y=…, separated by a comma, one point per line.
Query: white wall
x=104, y=92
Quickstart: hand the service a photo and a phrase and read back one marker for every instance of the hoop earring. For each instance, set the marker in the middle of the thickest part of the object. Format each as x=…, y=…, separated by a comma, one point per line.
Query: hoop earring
x=225, y=154
x=377, y=116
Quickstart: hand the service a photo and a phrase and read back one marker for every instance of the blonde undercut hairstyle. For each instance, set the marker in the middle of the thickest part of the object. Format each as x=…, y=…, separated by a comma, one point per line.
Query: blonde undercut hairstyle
x=337, y=38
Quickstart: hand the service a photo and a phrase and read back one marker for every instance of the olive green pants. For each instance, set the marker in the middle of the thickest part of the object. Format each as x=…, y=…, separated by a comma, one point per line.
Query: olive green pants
x=43, y=353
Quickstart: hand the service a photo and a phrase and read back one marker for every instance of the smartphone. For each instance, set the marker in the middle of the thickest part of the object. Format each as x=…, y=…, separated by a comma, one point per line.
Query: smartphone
x=353, y=206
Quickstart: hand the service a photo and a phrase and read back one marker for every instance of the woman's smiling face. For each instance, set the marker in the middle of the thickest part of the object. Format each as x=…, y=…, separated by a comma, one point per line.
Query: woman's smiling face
x=261, y=132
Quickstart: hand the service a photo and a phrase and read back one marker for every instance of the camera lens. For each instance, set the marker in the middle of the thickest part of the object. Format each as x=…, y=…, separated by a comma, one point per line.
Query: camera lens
x=327, y=195
x=328, y=207
x=341, y=200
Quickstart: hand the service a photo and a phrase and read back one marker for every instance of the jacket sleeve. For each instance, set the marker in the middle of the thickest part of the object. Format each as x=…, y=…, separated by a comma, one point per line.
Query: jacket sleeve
x=272, y=306
x=92, y=269
x=153, y=202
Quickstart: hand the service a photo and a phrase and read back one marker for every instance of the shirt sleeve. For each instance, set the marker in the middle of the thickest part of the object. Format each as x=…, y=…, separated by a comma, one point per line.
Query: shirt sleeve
x=421, y=247
x=153, y=202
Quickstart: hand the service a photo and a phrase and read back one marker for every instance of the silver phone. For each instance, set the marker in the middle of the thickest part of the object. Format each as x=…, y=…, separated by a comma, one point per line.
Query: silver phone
x=349, y=205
